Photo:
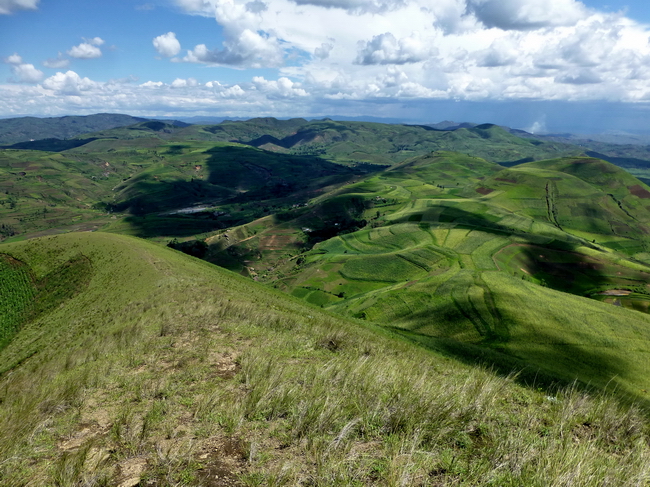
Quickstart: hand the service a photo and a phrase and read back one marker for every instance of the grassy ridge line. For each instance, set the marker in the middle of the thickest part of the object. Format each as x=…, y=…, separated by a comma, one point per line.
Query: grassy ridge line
x=167, y=371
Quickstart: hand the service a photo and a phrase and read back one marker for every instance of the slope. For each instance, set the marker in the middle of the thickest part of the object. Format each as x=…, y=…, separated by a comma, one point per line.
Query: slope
x=150, y=182
x=160, y=369
x=14, y=130
x=469, y=257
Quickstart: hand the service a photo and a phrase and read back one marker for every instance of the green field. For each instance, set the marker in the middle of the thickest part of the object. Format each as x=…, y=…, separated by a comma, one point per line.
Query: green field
x=162, y=369
x=479, y=275
x=434, y=311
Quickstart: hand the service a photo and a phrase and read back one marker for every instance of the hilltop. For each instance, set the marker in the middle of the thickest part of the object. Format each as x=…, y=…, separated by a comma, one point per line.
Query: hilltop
x=138, y=364
x=25, y=129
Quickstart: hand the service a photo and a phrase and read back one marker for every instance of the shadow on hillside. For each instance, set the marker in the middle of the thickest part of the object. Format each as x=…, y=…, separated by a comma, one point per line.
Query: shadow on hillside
x=558, y=366
x=558, y=265
x=248, y=182
x=542, y=360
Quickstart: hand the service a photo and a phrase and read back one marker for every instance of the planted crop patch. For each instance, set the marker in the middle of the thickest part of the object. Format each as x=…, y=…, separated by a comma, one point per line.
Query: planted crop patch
x=17, y=292
x=384, y=268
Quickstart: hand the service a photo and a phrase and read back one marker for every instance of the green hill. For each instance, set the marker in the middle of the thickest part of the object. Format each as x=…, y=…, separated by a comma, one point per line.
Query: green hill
x=142, y=178
x=14, y=130
x=150, y=367
x=475, y=259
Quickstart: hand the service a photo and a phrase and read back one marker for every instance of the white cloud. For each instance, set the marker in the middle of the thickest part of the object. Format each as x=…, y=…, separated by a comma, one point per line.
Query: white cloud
x=87, y=50
x=202, y=7
x=247, y=43
x=167, y=45
x=14, y=59
x=357, y=6
x=235, y=91
x=283, y=87
x=182, y=83
x=375, y=51
x=69, y=83
x=10, y=6
x=27, y=73
x=323, y=51
x=583, y=77
x=386, y=49
x=527, y=14
x=58, y=62
x=248, y=50
x=23, y=72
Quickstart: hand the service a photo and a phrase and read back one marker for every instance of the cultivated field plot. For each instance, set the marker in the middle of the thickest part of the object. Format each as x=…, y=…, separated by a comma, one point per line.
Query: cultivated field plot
x=455, y=269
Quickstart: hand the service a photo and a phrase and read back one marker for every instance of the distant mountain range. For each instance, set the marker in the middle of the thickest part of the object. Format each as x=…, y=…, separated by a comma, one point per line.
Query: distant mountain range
x=23, y=129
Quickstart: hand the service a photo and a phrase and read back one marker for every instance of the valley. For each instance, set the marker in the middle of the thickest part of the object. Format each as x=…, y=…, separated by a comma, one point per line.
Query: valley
x=512, y=273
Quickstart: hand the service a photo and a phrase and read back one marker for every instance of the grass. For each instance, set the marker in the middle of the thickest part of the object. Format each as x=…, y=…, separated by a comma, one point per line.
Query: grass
x=17, y=294
x=181, y=372
x=444, y=251
x=436, y=275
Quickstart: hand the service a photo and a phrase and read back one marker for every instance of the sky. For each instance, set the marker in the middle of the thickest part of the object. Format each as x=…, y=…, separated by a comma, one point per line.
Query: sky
x=537, y=65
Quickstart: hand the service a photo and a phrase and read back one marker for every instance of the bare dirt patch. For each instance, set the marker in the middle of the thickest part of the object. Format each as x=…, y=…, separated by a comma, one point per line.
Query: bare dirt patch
x=275, y=242
x=483, y=190
x=616, y=292
x=223, y=460
x=640, y=192
x=505, y=180
x=226, y=366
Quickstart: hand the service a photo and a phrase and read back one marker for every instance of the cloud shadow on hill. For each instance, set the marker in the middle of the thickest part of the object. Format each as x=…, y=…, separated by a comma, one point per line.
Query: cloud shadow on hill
x=542, y=360
x=248, y=181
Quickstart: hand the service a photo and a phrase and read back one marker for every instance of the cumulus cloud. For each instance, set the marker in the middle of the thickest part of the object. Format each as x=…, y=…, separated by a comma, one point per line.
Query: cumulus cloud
x=499, y=54
x=526, y=14
x=14, y=59
x=248, y=50
x=378, y=50
x=256, y=6
x=23, y=72
x=357, y=6
x=10, y=6
x=167, y=45
x=323, y=51
x=247, y=43
x=58, y=62
x=183, y=83
x=68, y=83
x=88, y=49
x=27, y=73
x=283, y=87
x=386, y=49
x=233, y=92
x=584, y=77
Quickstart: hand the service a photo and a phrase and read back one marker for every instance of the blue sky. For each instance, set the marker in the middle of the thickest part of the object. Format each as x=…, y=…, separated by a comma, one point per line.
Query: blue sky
x=556, y=65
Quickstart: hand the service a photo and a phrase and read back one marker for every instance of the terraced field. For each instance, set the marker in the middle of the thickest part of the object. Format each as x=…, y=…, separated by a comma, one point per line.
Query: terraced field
x=453, y=268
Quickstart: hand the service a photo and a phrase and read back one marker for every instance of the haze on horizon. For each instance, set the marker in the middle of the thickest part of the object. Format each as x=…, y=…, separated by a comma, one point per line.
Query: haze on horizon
x=558, y=65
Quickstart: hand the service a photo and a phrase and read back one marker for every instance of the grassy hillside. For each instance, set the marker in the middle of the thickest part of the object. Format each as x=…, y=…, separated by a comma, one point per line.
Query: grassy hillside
x=145, y=180
x=160, y=369
x=264, y=165
x=469, y=257
x=376, y=143
x=14, y=130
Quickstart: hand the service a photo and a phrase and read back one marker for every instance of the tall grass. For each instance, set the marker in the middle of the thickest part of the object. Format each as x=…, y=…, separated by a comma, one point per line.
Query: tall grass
x=213, y=376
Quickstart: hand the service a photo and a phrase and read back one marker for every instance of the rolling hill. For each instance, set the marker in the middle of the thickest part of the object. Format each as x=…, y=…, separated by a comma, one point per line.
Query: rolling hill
x=136, y=364
x=429, y=302
x=153, y=167
x=477, y=260
x=14, y=130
